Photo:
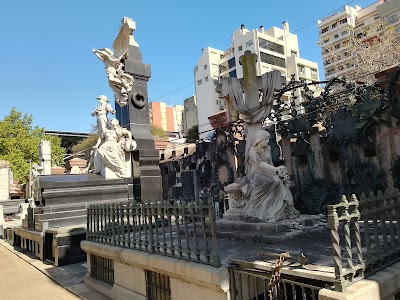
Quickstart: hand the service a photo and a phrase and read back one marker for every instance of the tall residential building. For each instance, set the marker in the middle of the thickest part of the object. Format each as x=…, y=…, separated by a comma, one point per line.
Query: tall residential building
x=189, y=114
x=166, y=117
x=276, y=48
x=336, y=29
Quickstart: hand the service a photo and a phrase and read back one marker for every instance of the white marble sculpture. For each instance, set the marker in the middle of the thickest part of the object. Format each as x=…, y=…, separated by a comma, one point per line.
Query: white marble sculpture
x=261, y=195
x=268, y=198
x=111, y=154
x=119, y=81
x=101, y=112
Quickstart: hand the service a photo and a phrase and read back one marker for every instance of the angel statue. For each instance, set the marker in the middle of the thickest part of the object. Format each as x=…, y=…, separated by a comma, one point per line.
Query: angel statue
x=119, y=81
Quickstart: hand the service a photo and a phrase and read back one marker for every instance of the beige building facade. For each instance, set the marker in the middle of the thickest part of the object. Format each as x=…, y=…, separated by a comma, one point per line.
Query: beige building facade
x=276, y=48
x=336, y=31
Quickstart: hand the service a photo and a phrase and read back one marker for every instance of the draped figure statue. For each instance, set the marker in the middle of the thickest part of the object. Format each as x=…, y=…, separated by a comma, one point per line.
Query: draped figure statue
x=270, y=200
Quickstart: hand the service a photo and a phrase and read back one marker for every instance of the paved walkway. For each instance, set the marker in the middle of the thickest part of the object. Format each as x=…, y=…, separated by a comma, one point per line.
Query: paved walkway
x=20, y=280
x=23, y=277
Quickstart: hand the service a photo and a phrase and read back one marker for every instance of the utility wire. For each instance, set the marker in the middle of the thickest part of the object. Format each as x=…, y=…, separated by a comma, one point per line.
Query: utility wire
x=277, y=39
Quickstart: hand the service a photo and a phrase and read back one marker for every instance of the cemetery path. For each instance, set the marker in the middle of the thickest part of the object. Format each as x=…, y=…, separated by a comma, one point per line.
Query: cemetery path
x=20, y=280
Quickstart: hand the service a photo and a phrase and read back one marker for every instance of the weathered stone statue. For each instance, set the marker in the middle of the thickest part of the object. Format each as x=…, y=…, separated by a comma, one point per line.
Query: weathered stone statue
x=119, y=81
x=101, y=112
x=261, y=195
x=111, y=154
x=269, y=199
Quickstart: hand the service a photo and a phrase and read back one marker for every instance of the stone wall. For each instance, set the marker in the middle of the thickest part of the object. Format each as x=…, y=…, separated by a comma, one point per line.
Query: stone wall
x=188, y=280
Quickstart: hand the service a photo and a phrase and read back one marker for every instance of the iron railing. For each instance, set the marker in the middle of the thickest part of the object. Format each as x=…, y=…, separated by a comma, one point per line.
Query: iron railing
x=102, y=269
x=171, y=229
x=366, y=232
x=158, y=286
x=246, y=284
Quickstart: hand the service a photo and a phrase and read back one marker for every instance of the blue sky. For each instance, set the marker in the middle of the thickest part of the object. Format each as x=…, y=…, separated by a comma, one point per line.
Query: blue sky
x=49, y=71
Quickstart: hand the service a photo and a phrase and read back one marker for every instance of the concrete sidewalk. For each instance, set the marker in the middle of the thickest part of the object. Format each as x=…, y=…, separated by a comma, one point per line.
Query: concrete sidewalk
x=24, y=277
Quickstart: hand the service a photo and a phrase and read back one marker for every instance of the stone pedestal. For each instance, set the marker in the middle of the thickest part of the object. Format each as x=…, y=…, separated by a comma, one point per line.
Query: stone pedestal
x=236, y=203
x=135, y=117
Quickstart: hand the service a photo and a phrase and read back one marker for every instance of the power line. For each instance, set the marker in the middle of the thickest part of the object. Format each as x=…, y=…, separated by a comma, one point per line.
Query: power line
x=290, y=33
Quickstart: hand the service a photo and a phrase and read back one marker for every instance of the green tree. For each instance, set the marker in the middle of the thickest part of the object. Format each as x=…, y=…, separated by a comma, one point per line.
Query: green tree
x=193, y=134
x=19, y=143
x=85, y=146
x=158, y=132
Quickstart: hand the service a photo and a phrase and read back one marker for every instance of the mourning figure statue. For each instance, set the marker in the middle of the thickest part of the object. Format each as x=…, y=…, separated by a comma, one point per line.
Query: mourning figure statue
x=266, y=186
x=111, y=154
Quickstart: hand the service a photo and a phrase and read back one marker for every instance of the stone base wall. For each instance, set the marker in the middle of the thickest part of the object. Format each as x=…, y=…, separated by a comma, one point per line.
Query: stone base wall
x=384, y=285
x=188, y=280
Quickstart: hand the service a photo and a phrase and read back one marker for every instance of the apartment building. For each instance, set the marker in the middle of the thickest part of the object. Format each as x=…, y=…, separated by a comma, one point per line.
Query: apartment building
x=276, y=48
x=189, y=114
x=336, y=31
x=166, y=117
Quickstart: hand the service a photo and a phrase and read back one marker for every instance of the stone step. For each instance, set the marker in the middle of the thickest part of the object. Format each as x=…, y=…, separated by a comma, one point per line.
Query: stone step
x=61, y=222
x=60, y=214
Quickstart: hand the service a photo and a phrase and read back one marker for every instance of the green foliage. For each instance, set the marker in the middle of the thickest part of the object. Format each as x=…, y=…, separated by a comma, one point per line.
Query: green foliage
x=363, y=176
x=85, y=146
x=317, y=193
x=193, y=134
x=19, y=143
x=158, y=132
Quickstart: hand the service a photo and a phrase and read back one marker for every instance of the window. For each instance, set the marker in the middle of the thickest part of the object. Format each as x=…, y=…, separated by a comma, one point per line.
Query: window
x=344, y=32
x=302, y=70
x=336, y=36
x=232, y=73
x=212, y=52
x=272, y=60
x=102, y=269
x=217, y=101
x=157, y=286
x=216, y=82
x=205, y=67
x=334, y=25
x=249, y=43
x=271, y=46
x=324, y=29
x=343, y=21
x=231, y=63
x=199, y=82
x=206, y=78
x=293, y=53
x=314, y=73
x=196, y=69
x=240, y=48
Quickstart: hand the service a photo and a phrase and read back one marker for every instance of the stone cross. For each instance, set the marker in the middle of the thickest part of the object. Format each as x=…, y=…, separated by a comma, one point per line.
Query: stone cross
x=251, y=96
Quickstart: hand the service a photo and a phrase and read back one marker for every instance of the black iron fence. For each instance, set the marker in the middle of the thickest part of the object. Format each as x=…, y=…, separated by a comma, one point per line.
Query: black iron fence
x=168, y=228
x=365, y=235
x=248, y=284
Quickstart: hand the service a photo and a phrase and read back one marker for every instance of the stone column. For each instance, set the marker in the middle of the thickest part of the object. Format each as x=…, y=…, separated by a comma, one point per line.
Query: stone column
x=45, y=157
x=4, y=180
x=135, y=117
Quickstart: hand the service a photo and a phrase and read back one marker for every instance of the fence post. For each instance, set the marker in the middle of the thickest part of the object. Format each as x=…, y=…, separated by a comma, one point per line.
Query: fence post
x=215, y=253
x=333, y=222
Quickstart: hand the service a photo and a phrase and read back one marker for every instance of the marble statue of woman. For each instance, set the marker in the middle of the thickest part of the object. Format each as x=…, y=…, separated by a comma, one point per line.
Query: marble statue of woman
x=270, y=200
x=119, y=81
x=112, y=147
